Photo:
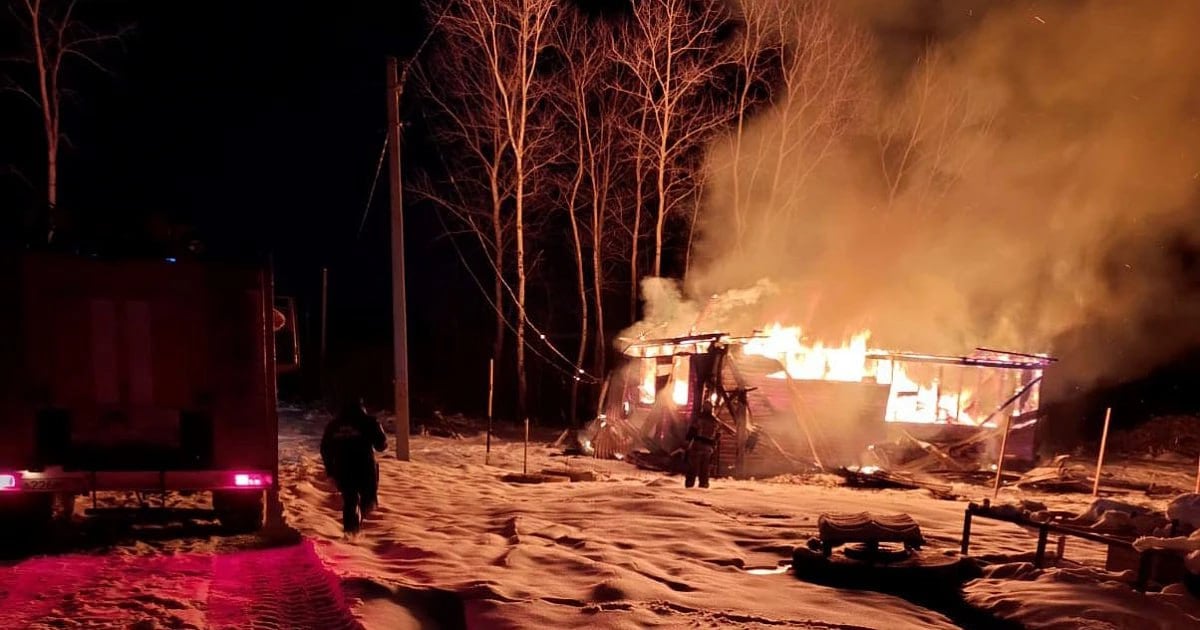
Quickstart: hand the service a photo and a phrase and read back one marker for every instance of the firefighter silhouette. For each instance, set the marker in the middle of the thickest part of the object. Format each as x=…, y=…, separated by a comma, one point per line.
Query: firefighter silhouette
x=346, y=451
x=701, y=442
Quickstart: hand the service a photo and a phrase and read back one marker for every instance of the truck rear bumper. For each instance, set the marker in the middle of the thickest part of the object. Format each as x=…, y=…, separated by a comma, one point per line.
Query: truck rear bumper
x=57, y=480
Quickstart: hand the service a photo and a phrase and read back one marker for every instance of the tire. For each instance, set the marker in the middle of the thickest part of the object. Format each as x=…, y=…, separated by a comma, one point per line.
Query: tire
x=240, y=511
x=64, y=510
x=27, y=514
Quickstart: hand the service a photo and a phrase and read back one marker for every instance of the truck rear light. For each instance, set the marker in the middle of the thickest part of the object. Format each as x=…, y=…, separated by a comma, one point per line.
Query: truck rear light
x=251, y=480
x=8, y=482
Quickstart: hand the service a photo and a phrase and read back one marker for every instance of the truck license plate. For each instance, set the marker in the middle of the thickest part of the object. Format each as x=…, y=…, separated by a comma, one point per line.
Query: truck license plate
x=46, y=484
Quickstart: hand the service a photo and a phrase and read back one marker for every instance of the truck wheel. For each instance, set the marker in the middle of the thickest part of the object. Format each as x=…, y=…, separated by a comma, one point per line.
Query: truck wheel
x=65, y=507
x=27, y=514
x=239, y=511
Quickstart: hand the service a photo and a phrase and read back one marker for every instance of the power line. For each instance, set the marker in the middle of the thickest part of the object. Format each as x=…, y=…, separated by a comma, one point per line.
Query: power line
x=575, y=373
x=374, y=185
x=513, y=295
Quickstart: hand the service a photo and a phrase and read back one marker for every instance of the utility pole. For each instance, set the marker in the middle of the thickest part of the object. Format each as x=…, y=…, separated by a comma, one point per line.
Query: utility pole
x=395, y=93
x=322, y=372
x=399, y=302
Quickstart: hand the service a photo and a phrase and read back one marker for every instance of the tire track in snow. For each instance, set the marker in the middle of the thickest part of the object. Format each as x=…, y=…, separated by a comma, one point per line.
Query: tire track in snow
x=277, y=589
x=267, y=589
x=33, y=589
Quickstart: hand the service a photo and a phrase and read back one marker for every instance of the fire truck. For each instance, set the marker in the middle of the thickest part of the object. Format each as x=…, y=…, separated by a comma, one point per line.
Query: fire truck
x=152, y=376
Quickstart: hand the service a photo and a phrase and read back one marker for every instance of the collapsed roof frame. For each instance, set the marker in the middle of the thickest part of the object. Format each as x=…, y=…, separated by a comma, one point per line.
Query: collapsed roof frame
x=737, y=405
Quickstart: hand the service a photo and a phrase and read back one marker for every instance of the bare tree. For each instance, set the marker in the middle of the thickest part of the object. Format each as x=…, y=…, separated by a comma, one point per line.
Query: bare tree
x=605, y=164
x=699, y=180
x=507, y=38
x=757, y=42
x=593, y=114
x=930, y=134
x=581, y=63
x=672, y=51
x=818, y=75
x=55, y=37
x=468, y=123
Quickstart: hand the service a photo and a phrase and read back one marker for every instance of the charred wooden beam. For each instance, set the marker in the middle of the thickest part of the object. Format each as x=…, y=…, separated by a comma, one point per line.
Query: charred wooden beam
x=950, y=360
x=1037, y=357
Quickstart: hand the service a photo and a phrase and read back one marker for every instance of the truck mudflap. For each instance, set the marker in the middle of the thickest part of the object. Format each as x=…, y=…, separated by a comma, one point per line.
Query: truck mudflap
x=57, y=480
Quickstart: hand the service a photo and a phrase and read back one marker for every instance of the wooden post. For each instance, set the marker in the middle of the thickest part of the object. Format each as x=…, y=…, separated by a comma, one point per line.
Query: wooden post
x=395, y=89
x=324, y=311
x=321, y=374
x=487, y=454
x=966, y=534
x=937, y=393
x=1000, y=460
x=1103, y=446
x=525, y=456
x=958, y=405
x=1039, y=555
x=1198, y=476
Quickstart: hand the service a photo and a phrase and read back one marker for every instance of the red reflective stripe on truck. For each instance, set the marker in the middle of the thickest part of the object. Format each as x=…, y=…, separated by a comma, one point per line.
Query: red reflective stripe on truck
x=190, y=480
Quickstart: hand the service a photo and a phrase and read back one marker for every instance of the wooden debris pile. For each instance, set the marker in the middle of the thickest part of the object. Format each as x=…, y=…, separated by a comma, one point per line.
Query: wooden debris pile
x=1123, y=519
x=451, y=426
x=1061, y=475
x=868, y=477
x=908, y=454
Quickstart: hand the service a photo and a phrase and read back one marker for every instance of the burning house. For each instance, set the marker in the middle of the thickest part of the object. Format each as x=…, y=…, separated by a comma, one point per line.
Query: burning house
x=785, y=405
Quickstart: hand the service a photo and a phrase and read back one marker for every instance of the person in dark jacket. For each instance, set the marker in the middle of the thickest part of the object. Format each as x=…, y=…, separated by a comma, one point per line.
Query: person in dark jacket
x=701, y=442
x=346, y=452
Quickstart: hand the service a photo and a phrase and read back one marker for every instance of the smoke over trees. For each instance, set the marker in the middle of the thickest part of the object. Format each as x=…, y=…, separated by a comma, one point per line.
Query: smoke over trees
x=945, y=175
x=1014, y=178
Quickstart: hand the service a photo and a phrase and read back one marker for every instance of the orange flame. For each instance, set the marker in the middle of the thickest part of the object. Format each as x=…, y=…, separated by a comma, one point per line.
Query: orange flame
x=647, y=390
x=909, y=401
x=679, y=393
x=811, y=362
x=915, y=398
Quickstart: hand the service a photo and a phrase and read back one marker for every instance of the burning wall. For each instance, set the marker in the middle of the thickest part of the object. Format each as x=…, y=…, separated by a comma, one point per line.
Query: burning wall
x=808, y=402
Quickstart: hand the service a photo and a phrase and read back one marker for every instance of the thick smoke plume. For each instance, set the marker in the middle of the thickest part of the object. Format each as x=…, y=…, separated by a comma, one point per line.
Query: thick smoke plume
x=1008, y=177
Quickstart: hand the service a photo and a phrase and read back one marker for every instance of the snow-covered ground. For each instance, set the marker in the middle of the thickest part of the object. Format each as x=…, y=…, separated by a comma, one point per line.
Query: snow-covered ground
x=146, y=587
x=635, y=549
x=454, y=545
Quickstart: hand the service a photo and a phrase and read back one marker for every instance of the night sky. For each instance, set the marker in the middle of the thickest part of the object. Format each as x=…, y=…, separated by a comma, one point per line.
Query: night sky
x=261, y=124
